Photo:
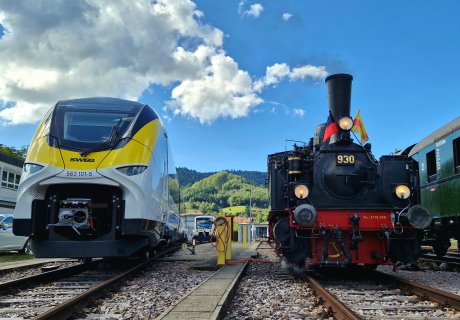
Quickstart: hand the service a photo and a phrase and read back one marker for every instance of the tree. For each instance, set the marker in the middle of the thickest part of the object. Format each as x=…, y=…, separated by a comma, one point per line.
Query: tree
x=19, y=154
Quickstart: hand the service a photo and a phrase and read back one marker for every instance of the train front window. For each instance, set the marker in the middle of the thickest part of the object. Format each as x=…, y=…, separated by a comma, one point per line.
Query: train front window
x=90, y=127
x=83, y=128
x=204, y=223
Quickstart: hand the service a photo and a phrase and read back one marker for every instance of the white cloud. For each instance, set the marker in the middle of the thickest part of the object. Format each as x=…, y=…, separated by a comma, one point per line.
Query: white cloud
x=223, y=91
x=298, y=112
x=277, y=72
x=286, y=16
x=254, y=10
x=308, y=71
x=241, y=6
x=56, y=49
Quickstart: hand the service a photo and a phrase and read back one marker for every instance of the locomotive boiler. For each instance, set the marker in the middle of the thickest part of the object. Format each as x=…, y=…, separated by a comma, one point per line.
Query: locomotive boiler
x=334, y=204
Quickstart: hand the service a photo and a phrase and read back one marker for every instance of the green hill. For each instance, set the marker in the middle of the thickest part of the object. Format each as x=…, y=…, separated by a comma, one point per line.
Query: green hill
x=221, y=190
x=189, y=176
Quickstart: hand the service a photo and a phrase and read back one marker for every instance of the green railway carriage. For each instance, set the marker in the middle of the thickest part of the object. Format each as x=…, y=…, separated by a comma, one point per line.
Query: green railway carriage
x=438, y=156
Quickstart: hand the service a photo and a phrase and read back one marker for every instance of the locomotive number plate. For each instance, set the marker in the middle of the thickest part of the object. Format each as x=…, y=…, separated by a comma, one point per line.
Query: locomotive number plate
x=345, y=160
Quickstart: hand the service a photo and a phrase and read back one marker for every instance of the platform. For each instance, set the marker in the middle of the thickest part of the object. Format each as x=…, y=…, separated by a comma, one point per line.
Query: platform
x=210, y=299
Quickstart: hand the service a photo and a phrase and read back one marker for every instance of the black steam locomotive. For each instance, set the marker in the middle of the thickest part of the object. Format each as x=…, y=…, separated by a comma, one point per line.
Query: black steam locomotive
x=333, y=203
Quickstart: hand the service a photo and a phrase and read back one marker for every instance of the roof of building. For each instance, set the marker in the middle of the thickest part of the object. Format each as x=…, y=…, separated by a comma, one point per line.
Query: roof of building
x=10, y=160
x=241, y=219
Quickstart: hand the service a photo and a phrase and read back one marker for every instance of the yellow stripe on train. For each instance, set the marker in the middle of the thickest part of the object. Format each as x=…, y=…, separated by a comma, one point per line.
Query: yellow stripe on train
x=137, y=151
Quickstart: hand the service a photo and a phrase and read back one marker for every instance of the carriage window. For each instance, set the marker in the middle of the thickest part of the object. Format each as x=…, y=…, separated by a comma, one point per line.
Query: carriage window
x=431, y=165
x=456, y=143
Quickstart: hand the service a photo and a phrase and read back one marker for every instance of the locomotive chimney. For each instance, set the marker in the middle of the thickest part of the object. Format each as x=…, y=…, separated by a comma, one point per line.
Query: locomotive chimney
x=339, y=92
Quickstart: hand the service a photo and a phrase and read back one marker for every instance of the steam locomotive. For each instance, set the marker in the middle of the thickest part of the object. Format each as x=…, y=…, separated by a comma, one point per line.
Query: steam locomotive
x=334, y=204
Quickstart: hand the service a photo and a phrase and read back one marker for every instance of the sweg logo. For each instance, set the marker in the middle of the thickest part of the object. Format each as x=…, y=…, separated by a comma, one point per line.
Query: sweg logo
x=81, y=160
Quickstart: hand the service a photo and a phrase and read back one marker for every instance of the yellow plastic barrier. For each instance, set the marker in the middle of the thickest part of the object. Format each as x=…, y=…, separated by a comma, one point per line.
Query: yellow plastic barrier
x=221, y=234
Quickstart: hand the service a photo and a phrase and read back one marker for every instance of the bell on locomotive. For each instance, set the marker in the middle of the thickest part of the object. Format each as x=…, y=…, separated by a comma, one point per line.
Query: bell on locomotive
x=334, y=204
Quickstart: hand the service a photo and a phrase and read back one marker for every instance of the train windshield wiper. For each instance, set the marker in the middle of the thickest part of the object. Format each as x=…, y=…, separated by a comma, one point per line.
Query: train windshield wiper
x=110, y=142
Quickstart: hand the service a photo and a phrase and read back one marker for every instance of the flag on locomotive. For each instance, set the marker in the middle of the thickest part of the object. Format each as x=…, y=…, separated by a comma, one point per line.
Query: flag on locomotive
x=358, y=127
x=334, y=204
x=331, y=128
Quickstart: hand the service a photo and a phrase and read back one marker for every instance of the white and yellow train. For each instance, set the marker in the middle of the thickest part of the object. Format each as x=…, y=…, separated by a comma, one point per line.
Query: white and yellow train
x=98, y=181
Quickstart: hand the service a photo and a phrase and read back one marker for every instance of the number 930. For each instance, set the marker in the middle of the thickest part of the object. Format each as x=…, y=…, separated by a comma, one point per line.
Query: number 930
x=345, y=159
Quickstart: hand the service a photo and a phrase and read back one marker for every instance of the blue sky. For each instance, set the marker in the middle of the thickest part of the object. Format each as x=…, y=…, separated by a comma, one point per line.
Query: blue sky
x=222, y=73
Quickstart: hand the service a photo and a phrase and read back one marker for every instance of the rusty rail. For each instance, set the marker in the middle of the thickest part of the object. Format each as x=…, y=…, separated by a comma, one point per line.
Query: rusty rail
x=339, y=310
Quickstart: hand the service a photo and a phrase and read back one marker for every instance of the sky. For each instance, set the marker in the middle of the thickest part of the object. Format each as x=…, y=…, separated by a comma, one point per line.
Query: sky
x=234, y=80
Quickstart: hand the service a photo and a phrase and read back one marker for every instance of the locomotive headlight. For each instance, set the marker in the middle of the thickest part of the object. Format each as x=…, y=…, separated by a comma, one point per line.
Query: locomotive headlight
x=346, y=123
x=301, y=191
x=32, y=168
x=402, y=191
x=132, y=170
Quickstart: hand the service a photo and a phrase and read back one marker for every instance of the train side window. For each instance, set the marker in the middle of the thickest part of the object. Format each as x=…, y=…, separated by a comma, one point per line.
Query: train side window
x=431, y=165
x=456, y=143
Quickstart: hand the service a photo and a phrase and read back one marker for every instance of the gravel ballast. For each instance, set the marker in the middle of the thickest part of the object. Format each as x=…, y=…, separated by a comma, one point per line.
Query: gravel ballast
x=149, y=294
x=267, y=291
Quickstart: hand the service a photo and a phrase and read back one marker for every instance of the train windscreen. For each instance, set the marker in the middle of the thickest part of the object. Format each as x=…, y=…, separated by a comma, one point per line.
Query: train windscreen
x=85, y=127
x=204, y=222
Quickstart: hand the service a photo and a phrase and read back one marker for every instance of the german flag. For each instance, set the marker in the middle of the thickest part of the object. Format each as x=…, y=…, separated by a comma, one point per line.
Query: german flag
x=358, y=127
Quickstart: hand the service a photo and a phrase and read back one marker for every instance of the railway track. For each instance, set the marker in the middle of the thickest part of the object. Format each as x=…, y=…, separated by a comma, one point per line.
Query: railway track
x=374, y=295
x=451, y=259
x=367, y=294
x=57, y=294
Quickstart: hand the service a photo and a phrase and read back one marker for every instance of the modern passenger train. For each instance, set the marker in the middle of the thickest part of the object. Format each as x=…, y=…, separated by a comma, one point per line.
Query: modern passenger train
x=438, y=156
x=97, y=181
x=334, y=204
x=203, y=228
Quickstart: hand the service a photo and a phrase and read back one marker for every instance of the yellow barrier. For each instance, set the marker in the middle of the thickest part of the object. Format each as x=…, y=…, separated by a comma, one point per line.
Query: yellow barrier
x=221, y=234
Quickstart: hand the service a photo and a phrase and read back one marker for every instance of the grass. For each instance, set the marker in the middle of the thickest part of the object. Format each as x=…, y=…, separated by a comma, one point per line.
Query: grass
x=234, y=210
x=12, y=257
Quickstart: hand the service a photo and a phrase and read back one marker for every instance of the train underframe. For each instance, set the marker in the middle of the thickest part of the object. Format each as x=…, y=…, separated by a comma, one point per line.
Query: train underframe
x=344, y=238
x=440, y=232
x=85, y=221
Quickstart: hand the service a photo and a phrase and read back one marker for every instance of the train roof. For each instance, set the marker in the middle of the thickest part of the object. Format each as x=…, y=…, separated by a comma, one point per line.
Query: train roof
x=102, y=101
x=442, y=132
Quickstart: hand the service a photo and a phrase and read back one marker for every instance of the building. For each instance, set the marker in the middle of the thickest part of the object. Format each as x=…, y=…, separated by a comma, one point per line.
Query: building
x=10, y=173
